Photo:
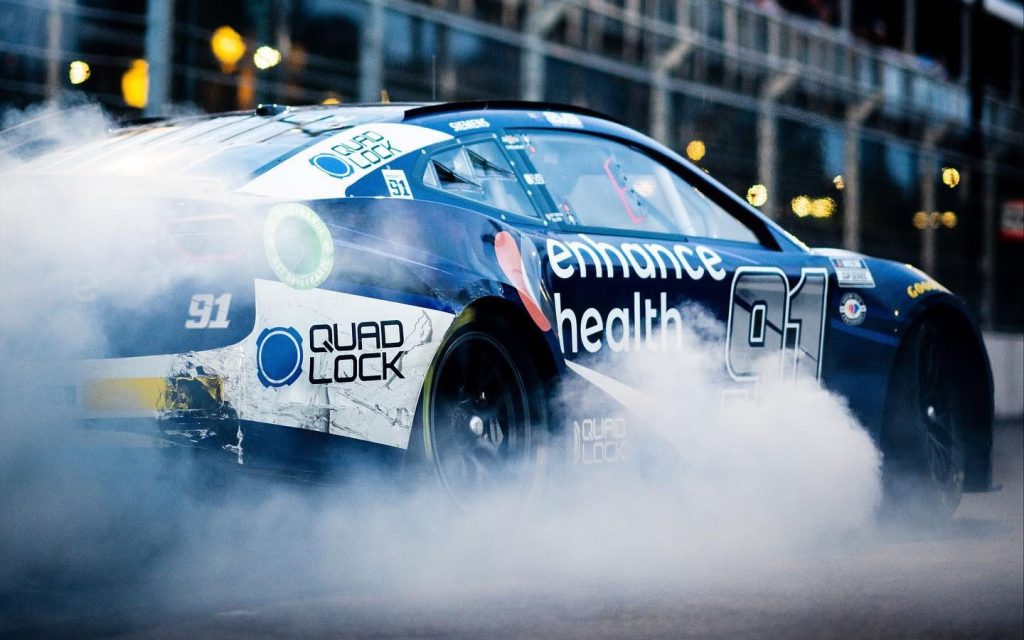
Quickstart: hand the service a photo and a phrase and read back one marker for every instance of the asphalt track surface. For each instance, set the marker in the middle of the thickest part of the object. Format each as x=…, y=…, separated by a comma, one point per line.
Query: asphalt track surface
x=962, y=580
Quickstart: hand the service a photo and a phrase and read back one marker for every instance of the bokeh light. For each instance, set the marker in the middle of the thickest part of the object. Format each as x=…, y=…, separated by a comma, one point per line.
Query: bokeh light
x=135, y=84
x=823, y=207
x=228, y=47
x=79, y=71
x=266, y=57
x=950, y=177
x=695, y=150
x=757, y=195
x=801, y=206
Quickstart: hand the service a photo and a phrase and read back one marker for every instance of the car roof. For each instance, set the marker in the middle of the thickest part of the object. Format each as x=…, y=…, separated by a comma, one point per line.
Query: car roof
x=270, y=131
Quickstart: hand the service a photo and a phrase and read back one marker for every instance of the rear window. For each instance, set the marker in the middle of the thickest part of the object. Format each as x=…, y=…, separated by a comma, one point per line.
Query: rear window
x=480, y=172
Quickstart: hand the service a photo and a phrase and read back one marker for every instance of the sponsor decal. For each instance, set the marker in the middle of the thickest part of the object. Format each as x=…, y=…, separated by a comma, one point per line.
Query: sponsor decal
x=298, y=245
x=365, y=150
x=598, y=440
x=852, y=309
x=645, y=261
x=278, y=356
x=511, y=262
x=625, y=328
x=515, y=142
x=920, y=288
x=363, y=351
x=533, y=178
x=621, y=329
x=852, y=273
x=563, y=119
x=397, y=184
x=469, y=125
x=332, y=165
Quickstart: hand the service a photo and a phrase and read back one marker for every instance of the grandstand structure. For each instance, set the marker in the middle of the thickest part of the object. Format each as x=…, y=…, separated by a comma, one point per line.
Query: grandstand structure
x=860, y=102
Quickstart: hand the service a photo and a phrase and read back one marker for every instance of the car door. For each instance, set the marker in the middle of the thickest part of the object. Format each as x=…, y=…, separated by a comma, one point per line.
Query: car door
x=639, y=249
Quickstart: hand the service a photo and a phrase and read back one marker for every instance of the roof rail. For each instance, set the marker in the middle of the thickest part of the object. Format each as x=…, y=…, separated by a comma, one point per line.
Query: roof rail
x=519, y=105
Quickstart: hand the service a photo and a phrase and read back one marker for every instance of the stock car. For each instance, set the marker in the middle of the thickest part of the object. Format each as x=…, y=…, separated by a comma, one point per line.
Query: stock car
x=408, y=283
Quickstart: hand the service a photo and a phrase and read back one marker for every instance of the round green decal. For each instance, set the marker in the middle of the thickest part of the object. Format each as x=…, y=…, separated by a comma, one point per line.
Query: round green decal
x=298, y=245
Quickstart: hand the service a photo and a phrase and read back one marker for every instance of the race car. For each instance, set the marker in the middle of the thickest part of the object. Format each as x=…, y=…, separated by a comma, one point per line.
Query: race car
x=411, y=282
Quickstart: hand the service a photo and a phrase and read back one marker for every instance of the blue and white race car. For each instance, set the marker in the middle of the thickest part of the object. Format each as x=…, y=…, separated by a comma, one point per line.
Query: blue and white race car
x=413, y=281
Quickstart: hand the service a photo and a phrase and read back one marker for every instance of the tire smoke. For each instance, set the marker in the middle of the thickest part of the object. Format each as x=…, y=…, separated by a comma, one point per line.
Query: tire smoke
x=101, y=535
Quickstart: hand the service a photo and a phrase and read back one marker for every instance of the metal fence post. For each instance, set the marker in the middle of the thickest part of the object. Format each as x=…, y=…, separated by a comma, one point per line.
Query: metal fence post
x=928, y=169
x=371, y=53
x=54, y=33
x=159, y=47
x=538, y=22
x=855, y=117
x=767, y=136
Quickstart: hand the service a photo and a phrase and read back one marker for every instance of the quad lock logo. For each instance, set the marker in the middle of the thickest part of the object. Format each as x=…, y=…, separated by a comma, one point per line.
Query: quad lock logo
x=598, y=440
x=278, y=356
x=362, y=151
x=370, y=351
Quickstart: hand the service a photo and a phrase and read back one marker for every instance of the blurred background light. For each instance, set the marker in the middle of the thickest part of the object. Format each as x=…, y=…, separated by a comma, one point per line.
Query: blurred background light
x=949, y=219
x=838, y=182
x=950, y=177
x=228, y=47
x=135, y=84
x=757, y=195
x=801, y=206
x=823, y=207
x=266, y=57
x=695, y=150
x=79, y=72
x=920, y=220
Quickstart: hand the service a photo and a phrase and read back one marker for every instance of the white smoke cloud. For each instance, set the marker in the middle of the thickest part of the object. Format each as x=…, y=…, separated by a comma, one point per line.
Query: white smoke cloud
x=735, y=484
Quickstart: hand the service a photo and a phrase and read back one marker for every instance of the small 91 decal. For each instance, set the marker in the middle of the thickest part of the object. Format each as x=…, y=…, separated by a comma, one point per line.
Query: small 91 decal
x=201, y=311
x=397, y=184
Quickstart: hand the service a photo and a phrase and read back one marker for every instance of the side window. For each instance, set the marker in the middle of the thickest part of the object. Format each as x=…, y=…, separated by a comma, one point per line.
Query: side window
x=479, y=171
x=601, y=183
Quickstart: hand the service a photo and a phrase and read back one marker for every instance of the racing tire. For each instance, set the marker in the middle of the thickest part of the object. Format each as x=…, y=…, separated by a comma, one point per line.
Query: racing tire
x=923, y=432
x=483, y=416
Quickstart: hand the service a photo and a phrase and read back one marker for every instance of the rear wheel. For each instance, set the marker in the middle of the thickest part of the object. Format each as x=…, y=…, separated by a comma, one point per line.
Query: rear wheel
x=484, y=416
x=923, y=434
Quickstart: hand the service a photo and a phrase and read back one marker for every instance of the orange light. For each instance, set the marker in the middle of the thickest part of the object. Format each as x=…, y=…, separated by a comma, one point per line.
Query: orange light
x=695, y=150
x=228, y=47
x=135, y=84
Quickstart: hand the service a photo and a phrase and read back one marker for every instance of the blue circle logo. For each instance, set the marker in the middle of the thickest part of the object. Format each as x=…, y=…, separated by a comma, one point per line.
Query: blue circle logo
x=278, y=356
x=331, y=164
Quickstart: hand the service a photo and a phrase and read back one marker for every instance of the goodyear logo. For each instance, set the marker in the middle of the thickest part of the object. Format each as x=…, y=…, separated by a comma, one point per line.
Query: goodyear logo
x=919, y=288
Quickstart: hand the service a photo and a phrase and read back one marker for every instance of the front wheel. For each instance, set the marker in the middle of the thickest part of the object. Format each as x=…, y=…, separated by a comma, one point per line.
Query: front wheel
x=923, y=434
x=484, y=416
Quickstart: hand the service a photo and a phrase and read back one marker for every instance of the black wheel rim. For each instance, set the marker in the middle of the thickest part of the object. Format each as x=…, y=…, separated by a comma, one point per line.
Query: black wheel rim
x=937, y=413
x=480, y=427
